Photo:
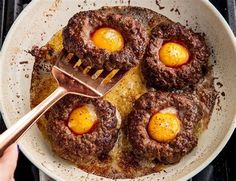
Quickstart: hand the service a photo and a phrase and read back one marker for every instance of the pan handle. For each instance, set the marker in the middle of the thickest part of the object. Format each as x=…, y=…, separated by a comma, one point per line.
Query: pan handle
x=21, y=126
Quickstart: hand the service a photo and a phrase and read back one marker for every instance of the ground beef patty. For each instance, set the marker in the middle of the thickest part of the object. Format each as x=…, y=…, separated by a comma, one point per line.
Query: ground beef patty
x=159, y=75
x=77, y=39
x=97, y=142
x=145, y=107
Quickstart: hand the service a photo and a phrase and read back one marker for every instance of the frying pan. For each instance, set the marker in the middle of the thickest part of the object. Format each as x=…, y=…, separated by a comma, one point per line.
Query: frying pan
x=42, y=18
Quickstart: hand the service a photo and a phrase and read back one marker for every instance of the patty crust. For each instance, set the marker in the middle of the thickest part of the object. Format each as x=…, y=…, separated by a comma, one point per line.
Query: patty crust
x=77, y=39
x=145, y=107
x=96, y=143
x=160, y=76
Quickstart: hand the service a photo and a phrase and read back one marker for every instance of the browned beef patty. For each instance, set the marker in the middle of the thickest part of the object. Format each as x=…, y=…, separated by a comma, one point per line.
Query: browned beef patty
x=77, y=39
x=98, y=142
x=147, y=105
x=159, y=75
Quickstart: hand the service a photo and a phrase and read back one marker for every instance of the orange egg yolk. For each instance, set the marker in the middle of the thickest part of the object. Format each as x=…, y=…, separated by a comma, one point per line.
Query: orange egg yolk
x=164, y=127
x=109, y=39
x=173, y=54
x=82, y=119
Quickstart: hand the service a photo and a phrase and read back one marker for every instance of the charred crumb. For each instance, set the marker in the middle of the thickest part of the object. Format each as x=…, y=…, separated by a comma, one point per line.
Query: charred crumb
x=129, y=1
x=218, y=103
x=186, y=22
x=219, y=84
x=79, y=5
x=52, y=10
x=177, y=11
x=172, y=9
x=49, y=15
x=23, y=62
x=223, y=94
x=34, y=51
x=159, y=6
x=212, y=50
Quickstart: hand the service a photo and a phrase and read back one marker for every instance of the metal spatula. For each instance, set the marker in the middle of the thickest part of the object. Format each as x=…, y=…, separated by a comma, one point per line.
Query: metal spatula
x=72, y=78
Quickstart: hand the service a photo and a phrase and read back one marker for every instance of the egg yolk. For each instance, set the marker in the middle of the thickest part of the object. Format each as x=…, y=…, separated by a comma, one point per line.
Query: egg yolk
x=173, y=54
x=109, y=39
x=82, y=119
x=164, y=127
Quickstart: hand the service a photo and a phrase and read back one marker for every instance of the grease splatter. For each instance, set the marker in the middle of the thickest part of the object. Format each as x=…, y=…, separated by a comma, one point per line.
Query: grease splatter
x=158, y=4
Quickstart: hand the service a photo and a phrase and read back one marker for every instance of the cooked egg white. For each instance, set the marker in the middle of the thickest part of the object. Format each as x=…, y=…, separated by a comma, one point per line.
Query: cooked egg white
x=170, y=110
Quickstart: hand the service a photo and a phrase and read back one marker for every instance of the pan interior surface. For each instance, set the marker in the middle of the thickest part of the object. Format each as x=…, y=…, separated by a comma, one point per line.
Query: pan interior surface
x=51, y=16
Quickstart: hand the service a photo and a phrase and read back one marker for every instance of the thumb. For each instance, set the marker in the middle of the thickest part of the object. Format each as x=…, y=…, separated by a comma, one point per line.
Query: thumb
x=8, y=163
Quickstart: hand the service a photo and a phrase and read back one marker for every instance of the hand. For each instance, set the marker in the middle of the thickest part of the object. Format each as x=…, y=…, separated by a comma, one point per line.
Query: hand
x=8, y=163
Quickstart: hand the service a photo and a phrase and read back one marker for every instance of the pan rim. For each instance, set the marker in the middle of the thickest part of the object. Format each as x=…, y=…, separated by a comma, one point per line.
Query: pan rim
x=30, y=7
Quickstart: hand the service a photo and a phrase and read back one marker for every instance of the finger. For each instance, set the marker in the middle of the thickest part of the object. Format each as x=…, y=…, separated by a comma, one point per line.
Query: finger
x=8, y=163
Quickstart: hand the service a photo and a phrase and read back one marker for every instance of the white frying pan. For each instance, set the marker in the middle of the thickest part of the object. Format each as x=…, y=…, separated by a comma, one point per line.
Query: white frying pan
x=42, y=18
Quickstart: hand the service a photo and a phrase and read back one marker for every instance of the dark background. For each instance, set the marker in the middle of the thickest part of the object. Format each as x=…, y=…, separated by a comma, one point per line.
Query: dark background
x=221, y=169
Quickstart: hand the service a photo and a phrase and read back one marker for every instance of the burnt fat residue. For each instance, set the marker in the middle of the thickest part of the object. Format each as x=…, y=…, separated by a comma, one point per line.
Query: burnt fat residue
x=219, y=84
x=218, y=104
x=129, y=1
x=186, y=23
x=177, y=11
x=23, y=62
x=159, y=6
x=223, y=94
x=49, y=15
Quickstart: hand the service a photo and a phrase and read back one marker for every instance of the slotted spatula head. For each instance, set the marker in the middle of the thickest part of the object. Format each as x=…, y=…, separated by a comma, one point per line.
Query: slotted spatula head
x=86, y=81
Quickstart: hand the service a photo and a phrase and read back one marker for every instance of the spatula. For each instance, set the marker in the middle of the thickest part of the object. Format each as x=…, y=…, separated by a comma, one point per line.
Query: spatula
x=72, y=78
